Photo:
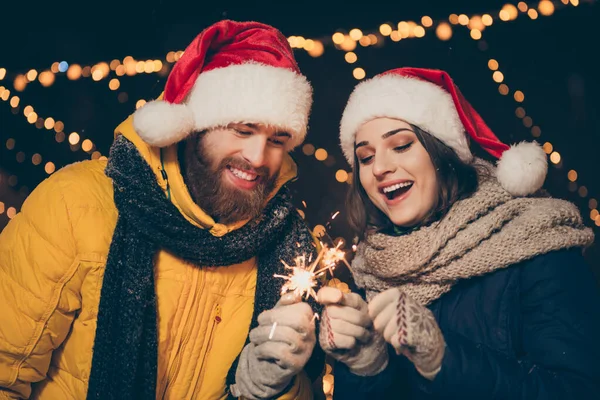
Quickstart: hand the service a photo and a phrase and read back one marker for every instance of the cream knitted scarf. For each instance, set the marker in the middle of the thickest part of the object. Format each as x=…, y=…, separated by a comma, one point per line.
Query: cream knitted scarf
x=488, y=231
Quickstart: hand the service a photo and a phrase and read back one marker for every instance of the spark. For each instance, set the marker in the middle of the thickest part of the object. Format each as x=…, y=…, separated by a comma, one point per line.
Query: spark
x=302, y=278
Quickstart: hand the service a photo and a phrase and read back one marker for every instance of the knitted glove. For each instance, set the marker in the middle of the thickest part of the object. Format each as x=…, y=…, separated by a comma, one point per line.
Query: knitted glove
x=410, y=328
x=268, y=365
x=347, y=334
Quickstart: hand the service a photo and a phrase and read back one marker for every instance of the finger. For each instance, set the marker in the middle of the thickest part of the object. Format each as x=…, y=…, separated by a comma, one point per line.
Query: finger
x=329, y=295
x=381, y=301
x=395, y=327
x=330, y=340
x=297, y=316
x=350, y=315
x=288, y=299
x=277, y=333
x=277, y=352
x=341, y=327
x=385, y=317
x=355, y=301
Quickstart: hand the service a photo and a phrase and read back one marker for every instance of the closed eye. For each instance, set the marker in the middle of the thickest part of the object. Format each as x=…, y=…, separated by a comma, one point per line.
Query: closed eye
x=400, y=149
x=365, y=160
x=276, y=142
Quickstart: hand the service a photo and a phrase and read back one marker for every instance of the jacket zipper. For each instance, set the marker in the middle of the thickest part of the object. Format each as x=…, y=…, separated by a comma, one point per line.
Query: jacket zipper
x=216, y=321
x=164, y=175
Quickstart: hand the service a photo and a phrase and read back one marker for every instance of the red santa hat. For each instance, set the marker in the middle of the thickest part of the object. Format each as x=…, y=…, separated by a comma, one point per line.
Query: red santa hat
x=430, y=100
x=232, y=72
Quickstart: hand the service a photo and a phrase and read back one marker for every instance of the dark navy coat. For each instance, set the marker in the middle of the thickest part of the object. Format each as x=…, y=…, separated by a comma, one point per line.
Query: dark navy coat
x=531, y=331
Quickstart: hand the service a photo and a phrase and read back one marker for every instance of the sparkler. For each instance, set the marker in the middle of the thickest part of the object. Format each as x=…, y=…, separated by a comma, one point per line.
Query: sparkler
x=304, y=273
x=302, y=279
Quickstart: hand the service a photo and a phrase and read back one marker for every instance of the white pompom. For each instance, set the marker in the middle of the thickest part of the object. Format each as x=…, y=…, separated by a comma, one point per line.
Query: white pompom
x=161, y=124
x=522, y=168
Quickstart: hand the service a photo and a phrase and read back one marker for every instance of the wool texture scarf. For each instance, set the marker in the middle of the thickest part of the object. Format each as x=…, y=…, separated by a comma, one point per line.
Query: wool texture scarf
x=488, y=231
x=124, y=365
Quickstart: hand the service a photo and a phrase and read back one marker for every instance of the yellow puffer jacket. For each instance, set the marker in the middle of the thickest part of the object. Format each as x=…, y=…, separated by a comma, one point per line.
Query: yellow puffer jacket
x=52, y=259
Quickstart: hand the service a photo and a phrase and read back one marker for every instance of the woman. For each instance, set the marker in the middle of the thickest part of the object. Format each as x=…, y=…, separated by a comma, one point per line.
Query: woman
x=475, y=281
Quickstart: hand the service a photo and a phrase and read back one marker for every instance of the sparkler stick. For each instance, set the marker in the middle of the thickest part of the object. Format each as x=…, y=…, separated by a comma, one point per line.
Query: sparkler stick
x=272, y=330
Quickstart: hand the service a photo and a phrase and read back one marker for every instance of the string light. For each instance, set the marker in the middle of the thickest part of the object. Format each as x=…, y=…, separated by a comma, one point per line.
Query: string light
x=314, y=47
x=100, y=71
x=11, y=211
x=554, y=156
x=48, y=123
x=475, y=24
x=10, y=144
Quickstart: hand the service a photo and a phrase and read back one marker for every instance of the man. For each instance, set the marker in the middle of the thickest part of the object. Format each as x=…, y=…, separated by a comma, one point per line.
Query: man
x=151, y=275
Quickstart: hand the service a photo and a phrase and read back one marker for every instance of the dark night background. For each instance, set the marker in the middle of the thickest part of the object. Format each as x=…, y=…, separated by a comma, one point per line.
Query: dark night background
x=552, y=60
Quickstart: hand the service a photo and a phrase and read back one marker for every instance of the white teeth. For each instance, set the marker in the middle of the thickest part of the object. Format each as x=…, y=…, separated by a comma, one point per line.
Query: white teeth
x=242, y=175
x=396, y=186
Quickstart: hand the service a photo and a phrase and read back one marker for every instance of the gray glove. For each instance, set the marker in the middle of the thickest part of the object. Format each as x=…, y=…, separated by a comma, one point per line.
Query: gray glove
x=267, y=366
x=347, y=333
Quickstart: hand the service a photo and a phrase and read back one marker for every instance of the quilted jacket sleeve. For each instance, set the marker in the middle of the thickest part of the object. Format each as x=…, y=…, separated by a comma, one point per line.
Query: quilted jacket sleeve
x=37, y=259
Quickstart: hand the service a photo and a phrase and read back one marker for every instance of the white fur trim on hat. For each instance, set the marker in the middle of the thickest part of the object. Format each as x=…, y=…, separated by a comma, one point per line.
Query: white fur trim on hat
x=244, y=93
x=417, y=102
x=522, y=168
x=160, y=123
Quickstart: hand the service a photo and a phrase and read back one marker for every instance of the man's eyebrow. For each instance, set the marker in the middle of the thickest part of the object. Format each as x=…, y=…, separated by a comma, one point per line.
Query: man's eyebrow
x=251, y=126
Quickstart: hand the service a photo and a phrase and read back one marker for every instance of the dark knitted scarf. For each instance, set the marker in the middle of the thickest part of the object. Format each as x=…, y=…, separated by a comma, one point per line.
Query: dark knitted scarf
x=124, y=364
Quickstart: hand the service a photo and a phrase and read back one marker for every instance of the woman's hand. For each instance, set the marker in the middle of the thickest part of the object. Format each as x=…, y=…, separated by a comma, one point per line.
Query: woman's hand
x=347, y=333
x=410, y=328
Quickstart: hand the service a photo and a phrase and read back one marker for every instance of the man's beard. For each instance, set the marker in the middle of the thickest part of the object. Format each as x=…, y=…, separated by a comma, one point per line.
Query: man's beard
x=224, y=202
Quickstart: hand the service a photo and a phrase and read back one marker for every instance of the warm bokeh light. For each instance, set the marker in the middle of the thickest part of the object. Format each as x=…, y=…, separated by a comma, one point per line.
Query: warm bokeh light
x=443, y=31
x=487, y=19
x=317, y=49
x=49, y=123
x=519, y=96
x=350, y=57
x=308, y=149
x=49, y=167
x=74, y=138
x=341, y=175
x=114, y=84
x=546, y=8
x=87, y=145
x=572, y=175
x=321, y=154
x=385, y=29
x=359, y=73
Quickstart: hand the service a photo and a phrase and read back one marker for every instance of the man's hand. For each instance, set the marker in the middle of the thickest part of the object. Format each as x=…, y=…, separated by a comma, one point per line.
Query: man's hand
x=279, y=348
